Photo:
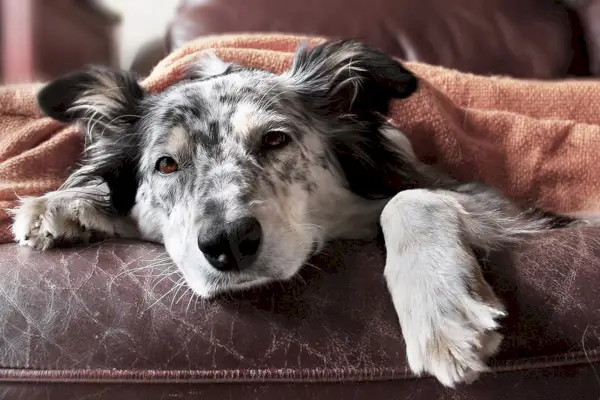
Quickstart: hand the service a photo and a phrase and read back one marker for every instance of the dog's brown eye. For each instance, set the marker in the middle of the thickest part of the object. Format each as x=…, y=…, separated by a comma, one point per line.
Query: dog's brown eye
x=166, y=165
x=275, y=139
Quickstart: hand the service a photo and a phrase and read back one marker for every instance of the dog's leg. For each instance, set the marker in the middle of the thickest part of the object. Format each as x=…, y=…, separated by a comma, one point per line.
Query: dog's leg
x=71, y=215
x=448, y=313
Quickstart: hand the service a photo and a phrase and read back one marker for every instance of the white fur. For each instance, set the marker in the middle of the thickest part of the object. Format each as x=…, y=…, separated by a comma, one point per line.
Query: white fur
x=67, y=215
x=209, y=64
x=448, y=333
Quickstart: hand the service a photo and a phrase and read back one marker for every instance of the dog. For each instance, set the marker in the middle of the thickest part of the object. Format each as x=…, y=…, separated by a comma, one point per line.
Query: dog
x=244, y=174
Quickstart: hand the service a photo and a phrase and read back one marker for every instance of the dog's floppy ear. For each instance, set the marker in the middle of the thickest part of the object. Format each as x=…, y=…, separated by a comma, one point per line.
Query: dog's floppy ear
x=95, y=90
x=106, y=104
x=351, y=77
x=352, y=84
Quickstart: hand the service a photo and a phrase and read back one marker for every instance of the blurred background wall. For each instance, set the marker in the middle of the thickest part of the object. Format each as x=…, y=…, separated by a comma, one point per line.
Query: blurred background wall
x=534, y=39
x=141, y=22
x=41, y=39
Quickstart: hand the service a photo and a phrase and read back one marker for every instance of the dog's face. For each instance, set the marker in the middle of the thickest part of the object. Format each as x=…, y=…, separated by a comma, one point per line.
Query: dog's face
x=240, y=172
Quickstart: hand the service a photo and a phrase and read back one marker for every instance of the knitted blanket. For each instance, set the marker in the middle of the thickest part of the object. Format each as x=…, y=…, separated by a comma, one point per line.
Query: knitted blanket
x=538, y=142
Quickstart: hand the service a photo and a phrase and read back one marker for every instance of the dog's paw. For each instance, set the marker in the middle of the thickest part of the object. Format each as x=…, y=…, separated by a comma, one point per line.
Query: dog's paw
x=454, y=341
x=448, y=313
x=40, y=224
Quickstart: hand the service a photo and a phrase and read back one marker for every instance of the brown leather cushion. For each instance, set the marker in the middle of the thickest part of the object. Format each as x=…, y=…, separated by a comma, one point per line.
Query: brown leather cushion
x=107, y=312
x=522, y=38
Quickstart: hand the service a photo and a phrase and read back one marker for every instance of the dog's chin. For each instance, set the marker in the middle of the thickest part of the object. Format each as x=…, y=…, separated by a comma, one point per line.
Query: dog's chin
x=232, y=283
x=236, y=287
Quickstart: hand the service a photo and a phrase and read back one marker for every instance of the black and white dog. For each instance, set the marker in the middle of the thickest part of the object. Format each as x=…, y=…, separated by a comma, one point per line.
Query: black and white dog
x=244, y=174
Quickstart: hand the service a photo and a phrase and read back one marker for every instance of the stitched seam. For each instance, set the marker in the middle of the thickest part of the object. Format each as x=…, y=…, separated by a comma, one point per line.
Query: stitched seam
x=315, y=375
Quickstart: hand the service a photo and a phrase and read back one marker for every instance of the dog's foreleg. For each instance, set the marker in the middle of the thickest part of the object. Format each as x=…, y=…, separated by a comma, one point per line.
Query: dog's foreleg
x=447, y=312
x=72, y=215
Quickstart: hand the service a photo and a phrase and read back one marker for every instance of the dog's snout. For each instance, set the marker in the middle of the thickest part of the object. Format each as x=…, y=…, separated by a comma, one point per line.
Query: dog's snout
x=233, y=246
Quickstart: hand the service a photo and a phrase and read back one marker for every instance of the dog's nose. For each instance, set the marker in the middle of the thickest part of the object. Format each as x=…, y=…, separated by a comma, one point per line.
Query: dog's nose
x=232, y=247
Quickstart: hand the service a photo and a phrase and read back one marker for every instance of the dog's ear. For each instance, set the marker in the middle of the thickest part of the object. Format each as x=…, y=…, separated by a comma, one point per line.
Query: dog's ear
x=350, y=77
x=100, y=91
x=355, y=83
x=106, y=104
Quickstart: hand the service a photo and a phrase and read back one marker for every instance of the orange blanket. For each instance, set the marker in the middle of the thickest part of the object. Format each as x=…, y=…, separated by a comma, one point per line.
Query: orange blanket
x=537, y=141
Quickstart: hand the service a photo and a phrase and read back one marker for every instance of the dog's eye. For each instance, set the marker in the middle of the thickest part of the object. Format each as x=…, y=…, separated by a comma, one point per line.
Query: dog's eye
x=275, y=140
x=166, y=165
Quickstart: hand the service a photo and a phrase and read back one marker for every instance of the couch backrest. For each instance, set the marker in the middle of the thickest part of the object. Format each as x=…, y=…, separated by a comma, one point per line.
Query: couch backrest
x=522, y=38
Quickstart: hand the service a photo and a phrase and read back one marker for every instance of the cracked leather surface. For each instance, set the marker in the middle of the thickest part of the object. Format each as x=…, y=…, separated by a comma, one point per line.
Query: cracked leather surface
x=109, y=312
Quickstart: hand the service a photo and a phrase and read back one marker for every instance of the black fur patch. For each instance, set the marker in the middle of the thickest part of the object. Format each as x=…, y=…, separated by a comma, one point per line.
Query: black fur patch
x=555, y=220
x=358, y=82
x=116, y=159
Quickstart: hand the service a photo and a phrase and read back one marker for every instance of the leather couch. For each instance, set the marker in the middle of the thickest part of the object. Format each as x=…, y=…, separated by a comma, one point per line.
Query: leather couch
x=541, y=39
x=108, y=321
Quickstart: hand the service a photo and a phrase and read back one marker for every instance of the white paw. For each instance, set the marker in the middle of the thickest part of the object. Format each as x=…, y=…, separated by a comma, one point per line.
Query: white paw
x=448, y=312
x=454, y=343
x=40, y=224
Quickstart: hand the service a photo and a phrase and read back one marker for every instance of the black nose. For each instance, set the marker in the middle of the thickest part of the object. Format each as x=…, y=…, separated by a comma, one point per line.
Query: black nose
x=233, y=246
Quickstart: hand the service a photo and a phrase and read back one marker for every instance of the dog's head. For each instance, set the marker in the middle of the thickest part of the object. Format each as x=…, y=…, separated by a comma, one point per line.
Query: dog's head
x=241, y=172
